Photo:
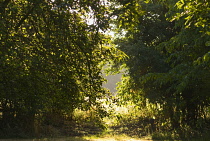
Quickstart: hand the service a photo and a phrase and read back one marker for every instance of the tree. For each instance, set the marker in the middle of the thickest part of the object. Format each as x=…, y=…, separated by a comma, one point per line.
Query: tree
x=50, y=58
x=185, y=49
x=168, y=60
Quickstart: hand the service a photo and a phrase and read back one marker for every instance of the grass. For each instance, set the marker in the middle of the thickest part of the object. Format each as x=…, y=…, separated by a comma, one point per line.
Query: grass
x=107, y=137
x=123, y=125
x=49, y=139
x=85, y=138
x=110, y=137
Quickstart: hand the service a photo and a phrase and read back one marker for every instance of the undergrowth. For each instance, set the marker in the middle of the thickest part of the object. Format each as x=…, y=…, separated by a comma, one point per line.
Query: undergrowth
x=122, y=122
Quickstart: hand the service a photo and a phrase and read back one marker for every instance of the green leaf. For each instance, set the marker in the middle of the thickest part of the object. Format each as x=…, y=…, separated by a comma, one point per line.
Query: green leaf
x=207, y=43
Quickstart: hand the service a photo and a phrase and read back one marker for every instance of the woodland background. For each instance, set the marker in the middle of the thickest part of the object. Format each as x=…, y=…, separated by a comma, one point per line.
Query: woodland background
x=53, y=53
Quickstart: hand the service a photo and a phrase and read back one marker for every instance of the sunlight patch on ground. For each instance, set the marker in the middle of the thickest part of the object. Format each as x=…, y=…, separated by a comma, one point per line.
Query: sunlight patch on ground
x=115, y=138
x=111, y=139
x=79, y=139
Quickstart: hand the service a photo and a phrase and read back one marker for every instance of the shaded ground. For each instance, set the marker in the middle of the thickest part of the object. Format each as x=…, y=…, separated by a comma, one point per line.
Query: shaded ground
x=76, y=139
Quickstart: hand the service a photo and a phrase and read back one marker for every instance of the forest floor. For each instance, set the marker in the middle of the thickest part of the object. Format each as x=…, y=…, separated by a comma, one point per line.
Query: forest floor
x=78, y=139
x=85, y=138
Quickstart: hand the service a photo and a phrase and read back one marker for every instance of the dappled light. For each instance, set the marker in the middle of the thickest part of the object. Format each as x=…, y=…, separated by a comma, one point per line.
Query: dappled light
x=111, y=70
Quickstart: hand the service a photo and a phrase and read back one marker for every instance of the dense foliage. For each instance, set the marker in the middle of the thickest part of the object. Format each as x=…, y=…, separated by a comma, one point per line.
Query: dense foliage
x=169, y=60
x=52, y=53
x=50, y=56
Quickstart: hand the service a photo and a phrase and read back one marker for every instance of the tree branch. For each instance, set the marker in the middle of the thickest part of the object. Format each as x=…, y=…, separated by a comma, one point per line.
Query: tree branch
x=24, y=18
